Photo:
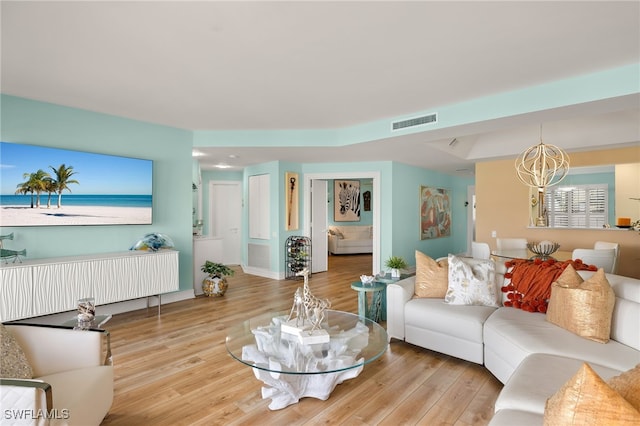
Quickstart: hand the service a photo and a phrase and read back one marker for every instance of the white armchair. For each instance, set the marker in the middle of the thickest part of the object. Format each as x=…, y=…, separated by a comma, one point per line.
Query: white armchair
x=600, y=258
x=599, y=245
x=480, y=250
x=72, y=377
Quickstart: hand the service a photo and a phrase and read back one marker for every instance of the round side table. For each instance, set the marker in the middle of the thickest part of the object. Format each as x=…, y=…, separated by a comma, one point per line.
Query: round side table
x=371, y=311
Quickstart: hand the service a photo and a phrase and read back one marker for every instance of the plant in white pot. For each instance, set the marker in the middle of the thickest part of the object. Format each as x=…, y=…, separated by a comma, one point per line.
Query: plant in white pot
x=216, y=283
x=395, y=264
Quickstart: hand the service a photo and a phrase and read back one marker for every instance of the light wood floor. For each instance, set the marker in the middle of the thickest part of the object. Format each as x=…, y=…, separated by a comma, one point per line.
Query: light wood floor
x=173, y=369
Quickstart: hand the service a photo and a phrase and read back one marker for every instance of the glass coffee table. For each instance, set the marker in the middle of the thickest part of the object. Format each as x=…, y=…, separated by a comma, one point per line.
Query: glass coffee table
x=292, y=370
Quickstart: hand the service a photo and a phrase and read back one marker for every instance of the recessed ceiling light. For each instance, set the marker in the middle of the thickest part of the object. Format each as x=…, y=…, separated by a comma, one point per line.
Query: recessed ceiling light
x=197, y=154
x=233, y=156
x=222, y=166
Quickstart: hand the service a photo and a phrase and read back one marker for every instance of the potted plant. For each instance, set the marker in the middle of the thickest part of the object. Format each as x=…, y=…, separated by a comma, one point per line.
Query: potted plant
x=216, y=283
x=395, y=263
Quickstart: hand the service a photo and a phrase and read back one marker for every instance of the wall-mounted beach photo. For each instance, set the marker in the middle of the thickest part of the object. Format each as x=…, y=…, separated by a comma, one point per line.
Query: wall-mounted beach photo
x=41, y=186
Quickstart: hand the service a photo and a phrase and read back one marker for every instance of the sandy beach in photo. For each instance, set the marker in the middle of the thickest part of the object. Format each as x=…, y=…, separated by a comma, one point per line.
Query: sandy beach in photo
x=73, y=215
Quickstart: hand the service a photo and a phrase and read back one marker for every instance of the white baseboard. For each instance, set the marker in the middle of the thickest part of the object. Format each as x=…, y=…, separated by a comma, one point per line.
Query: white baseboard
x=263, y=272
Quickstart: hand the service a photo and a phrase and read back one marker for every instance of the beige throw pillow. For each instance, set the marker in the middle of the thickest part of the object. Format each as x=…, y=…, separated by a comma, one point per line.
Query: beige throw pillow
x=13, y=361
x=584, y=310
x=587, y=400
x=569, y=277
x=627, y=385
x=431, y=277
x=336, y=232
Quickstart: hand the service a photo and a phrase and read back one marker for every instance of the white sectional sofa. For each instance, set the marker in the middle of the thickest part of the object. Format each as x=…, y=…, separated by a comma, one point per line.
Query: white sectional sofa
x=350, y=239
x=530, y=355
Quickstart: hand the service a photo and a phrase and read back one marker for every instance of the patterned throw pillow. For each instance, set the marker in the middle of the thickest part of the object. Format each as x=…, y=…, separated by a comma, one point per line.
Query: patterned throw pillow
x=587, y=399
x=432, y=277
x=471, y=282
x=13, y=361
x=584, y=310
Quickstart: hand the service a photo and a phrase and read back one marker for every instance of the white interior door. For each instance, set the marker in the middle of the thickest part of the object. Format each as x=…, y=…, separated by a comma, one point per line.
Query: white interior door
x=319, y=244
x=225, y=213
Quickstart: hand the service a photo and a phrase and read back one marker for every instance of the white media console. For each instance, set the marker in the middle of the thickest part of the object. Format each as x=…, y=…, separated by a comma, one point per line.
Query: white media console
x=46, y=286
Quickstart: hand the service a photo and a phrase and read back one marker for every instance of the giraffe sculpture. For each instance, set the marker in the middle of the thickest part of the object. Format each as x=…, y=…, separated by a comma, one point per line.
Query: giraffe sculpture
x=308, y=306
x=298, y=308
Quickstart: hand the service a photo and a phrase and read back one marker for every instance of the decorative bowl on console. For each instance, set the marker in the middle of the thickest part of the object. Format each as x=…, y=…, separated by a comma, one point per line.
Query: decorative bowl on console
x=543, y=249
x=154, y=241
x=366, y=279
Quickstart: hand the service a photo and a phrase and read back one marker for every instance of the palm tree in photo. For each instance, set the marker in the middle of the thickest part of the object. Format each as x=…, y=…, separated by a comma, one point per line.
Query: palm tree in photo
x=63, y=180
x=37, y=183
x=25, y=188
x=50, y=187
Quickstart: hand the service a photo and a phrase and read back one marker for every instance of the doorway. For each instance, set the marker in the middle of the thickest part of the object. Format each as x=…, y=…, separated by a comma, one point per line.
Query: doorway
x=225, y=213
x=471, y=216
x=375, y=206
x=319, y=191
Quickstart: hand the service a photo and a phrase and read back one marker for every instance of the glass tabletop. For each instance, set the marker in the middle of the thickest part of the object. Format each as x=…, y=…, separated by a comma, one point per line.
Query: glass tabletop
x=260, y=343
x=61, y=321
x=513, y=253
x=374, y=286
x=528, y=254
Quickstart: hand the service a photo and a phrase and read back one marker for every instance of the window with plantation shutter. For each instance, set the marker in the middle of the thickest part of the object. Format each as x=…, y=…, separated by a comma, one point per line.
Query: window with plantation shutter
x=577, y=206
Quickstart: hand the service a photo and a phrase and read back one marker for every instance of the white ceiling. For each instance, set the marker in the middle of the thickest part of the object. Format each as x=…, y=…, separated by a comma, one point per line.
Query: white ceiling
x=236, y=65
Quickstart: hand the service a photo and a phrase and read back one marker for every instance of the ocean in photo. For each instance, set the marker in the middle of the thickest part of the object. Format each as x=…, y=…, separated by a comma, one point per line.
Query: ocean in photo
x=80, y=200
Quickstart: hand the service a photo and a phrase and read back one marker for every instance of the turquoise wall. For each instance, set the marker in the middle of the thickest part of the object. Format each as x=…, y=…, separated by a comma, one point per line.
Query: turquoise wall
x=36, y=123
x=25, y=121
x=406, y=212
x=175, y=171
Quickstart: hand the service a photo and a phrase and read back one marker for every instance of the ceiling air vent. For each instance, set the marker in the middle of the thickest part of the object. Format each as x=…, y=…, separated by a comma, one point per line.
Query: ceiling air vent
x=417, y=121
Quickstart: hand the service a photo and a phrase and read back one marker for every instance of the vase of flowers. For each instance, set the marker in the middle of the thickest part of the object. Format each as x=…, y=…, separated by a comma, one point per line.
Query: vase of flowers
x=395, y=264
x=216, y=283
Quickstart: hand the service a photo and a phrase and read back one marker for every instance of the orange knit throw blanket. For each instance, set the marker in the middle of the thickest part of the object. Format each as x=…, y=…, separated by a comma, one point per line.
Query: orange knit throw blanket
x=531, y=280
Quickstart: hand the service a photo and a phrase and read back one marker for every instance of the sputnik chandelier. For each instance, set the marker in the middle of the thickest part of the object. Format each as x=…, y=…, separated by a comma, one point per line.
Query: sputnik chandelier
x=542, y=166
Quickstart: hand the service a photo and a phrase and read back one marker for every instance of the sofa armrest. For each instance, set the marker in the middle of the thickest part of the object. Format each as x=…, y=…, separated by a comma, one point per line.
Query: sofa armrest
x=52, y=349
x=23, y=396
x=333, y=243
x=398, y=294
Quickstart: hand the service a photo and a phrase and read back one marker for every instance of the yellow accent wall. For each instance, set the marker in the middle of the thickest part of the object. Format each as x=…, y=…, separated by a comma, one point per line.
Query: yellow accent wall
x=502, y=205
